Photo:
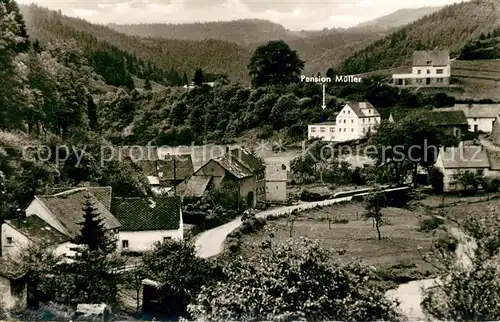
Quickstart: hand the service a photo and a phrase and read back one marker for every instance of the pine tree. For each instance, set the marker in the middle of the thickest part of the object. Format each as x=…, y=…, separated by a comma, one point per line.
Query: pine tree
x=185, y=80
x=147, y=85
x=93, y=233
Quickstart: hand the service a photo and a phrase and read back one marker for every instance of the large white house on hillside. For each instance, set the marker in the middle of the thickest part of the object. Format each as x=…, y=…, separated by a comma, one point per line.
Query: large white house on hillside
x=324, y=131
x=430, y=68
x=355, y=120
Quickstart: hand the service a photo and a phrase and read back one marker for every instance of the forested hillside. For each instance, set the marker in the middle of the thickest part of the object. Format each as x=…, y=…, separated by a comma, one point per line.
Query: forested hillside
x=452, y=27
x=243, y=32
x=486, y=47
x=213, y=56
x=396, y=19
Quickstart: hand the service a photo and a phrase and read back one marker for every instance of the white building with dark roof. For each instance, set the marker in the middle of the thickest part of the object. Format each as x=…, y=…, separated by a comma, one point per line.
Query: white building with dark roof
x=480, y=117
x=276, y=180
x=356, y=120
x=430, y=68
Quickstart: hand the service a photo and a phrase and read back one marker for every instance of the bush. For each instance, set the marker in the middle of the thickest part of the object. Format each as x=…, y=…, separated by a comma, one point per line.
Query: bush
x=430, y=224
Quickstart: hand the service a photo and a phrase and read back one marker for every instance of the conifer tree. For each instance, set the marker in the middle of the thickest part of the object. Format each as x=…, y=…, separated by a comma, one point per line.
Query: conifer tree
x=92, y=231
x=198, y=77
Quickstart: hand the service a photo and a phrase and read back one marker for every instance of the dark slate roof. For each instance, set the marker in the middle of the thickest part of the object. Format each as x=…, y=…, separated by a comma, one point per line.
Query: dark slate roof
x=325, y=123
x=196, y=186
x=10, y=270
x=67, y=208
x=103, y=194
x=143, y=214
x=247, y=159
x=38, y=231
x=431, y=58
x=446, y=118
x=164, y=168
x=464, y=157
x=233, y=166
x=361, y=109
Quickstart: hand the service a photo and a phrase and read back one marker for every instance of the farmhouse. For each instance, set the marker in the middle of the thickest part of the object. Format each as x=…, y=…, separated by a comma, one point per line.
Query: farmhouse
x=236, y=166
x=472, y=158
x=480, y=117
x=276, y=180
x=20, y=234
x=63, y=210
x=449, y=122
x=146, y=221
x=356, y=120
x=324, y=131
x=430, y=68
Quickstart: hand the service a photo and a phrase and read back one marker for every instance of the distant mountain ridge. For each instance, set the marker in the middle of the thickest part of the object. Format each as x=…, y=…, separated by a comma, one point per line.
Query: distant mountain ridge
x=397, y=18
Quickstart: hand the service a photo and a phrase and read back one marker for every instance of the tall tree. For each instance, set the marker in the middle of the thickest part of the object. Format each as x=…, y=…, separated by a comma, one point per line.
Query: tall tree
x=330, y=73
x=275, y=64
x=374, y=203
x=198, y=77
x=92, y=232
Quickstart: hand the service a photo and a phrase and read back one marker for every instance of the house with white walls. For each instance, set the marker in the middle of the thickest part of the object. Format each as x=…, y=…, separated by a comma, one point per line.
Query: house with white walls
x=430, y=68
x=22, y=233
x=276, y=180
x=473, y=158
x=355, y=121
x=480, y=117
x=147, y=221
x=63, y=210
x=324, y=131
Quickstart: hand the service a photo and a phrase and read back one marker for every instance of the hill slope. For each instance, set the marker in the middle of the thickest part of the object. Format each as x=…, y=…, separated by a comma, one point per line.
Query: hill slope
x=243, y=32
x=213, y=56
x=396, y=19
x=452, y=28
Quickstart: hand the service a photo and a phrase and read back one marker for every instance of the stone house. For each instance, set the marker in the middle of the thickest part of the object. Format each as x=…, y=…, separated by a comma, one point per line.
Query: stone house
x=237, y=166
x=480, y=117
x=430, y=68
x=146, y=221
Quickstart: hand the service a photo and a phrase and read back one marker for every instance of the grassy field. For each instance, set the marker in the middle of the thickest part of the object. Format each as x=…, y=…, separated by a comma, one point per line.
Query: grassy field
x=396, y=255
x=460, y=211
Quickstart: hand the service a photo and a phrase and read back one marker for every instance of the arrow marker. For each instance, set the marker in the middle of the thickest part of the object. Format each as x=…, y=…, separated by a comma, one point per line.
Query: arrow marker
x=324, y=104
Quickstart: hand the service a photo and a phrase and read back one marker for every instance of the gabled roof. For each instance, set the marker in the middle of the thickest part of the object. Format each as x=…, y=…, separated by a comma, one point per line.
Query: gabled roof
x=463, y=157
x=144, y=214
x=361, y=109
x=196, y=186
x=103, y=194
x=164, y=168
x=37, y=230
x=67, y=206
x=431, y=58
x=240, y=163
x=247, y=159
x=233, y=166
x=478, y=110
x=446, y=118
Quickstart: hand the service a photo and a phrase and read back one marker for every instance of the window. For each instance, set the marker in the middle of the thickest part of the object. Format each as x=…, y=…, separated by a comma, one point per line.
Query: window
x=429, y=62
x=322, y=129
x=349, y=112
x=439, y=71
x=363, y=120
x=340, y=130
x=313, y=129
x=428, y=71
x=363, y=130
x=124, y=243
x=419, y=71
x=345, y=121
x=352, y=130
x=166, y=238
x=344, y=129
x=9, y=240
x=352, y=121
x=344, y=111
x=277, y=188
x=475, y=119
x=332, y=129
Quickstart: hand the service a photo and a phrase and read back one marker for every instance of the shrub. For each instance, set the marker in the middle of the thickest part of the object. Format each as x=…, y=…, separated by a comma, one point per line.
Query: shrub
x=430, y=224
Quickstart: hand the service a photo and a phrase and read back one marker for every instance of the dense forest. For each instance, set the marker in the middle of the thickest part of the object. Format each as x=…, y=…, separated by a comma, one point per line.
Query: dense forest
x=452, y=28
x=166, y=56
x=486, y=47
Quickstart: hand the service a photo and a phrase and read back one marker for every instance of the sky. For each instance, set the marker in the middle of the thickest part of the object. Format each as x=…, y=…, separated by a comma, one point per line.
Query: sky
x=292, y=14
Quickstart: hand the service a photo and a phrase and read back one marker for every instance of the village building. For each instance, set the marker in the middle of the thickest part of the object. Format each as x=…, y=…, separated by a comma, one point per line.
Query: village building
x=63, y=210
x=235, y=166
x=474, y=158
x=276, y=181
x=20, y=234
x=430, y=68
x=13, y=287
x=324, y=131
x=450, y=122
x=480, y=117
x=355, y=121
x=147, y=221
